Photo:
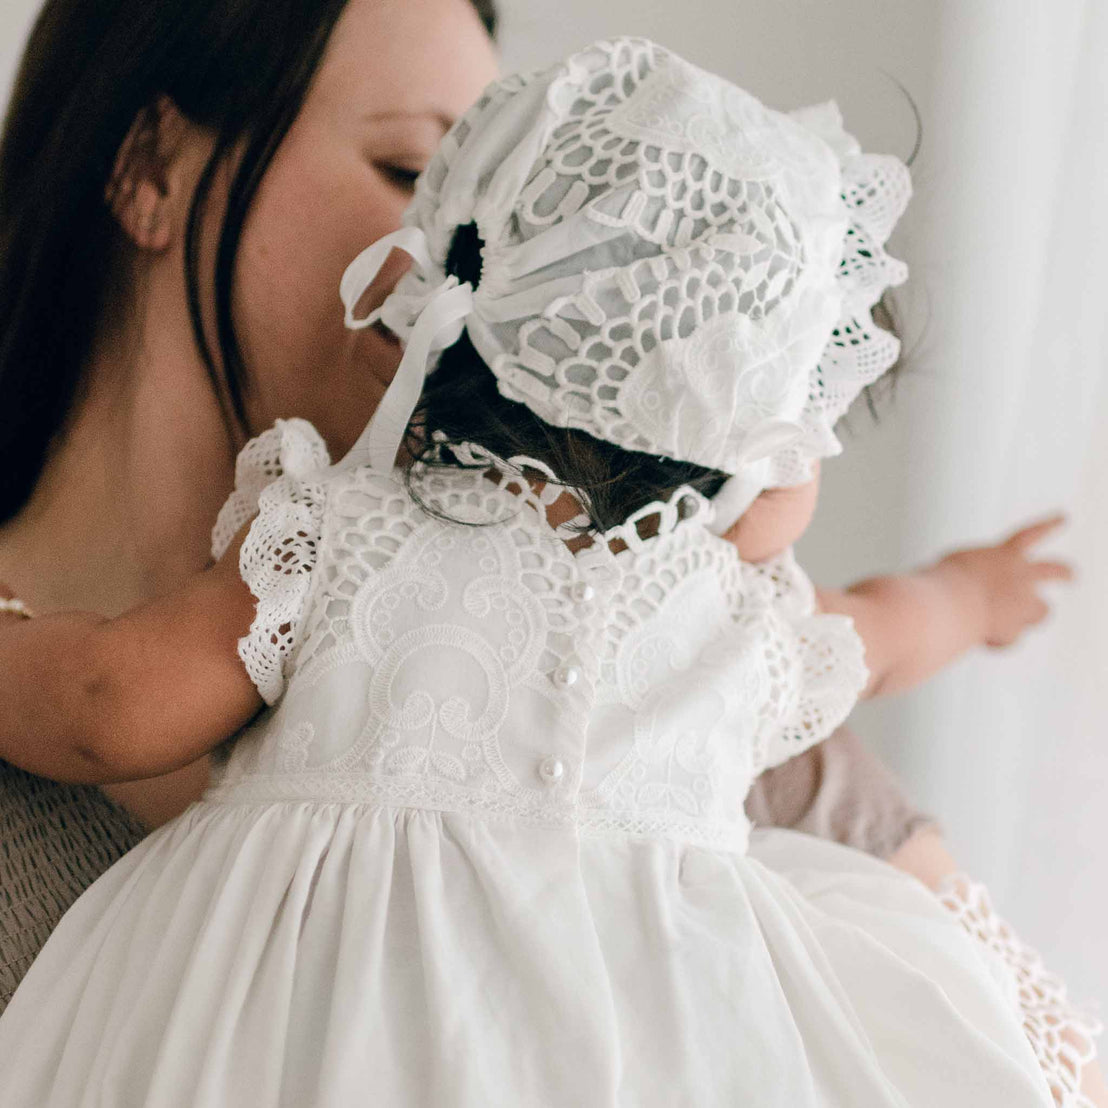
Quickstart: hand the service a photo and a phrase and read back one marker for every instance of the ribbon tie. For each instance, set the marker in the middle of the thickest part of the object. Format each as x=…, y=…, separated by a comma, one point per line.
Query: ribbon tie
x=426, y=321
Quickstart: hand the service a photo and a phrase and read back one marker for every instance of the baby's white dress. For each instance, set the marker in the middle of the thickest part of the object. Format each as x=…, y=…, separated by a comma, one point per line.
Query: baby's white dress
x=487, y=847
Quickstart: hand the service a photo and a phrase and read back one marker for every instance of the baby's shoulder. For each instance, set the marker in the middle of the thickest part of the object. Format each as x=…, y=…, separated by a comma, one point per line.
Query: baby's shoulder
x=290, y=451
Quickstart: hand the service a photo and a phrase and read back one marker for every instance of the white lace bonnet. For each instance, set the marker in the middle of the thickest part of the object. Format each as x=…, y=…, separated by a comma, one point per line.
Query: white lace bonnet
x=667, y=265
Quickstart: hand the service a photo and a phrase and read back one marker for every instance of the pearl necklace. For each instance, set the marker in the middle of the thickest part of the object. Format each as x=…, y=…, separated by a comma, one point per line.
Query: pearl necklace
x=16, y=606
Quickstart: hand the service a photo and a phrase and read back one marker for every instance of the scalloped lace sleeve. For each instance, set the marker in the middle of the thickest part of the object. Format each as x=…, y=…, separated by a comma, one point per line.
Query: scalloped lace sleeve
x=281, y=478
x=825, y=666
x=1061, y=1033
x=289, y=446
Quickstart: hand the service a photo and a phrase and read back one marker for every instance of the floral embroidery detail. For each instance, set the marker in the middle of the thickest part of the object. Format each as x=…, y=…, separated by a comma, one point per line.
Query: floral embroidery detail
x=669, y=225
x=294, y=747
x=436, y=664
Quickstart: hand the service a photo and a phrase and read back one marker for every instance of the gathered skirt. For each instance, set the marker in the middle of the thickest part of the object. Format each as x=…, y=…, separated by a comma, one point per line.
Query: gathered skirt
x=310, y=954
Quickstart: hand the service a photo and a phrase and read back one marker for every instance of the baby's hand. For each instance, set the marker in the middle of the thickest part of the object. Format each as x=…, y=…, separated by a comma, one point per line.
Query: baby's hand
x=11, y=609
x=1001, y=582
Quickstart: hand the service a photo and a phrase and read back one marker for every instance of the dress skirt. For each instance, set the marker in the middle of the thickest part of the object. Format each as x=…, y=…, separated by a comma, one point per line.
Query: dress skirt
x=308, y=954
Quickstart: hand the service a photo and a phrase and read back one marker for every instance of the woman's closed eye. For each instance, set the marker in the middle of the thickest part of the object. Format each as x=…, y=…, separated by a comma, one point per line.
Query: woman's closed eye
x=402, y=176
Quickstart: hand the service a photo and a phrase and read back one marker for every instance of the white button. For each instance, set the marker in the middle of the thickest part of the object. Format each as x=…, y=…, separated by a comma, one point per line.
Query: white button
x=583, y=591
x=564, y=676
x=551, y=770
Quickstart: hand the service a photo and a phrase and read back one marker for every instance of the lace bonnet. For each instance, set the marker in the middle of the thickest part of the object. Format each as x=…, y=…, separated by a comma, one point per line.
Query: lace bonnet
x=667, y=265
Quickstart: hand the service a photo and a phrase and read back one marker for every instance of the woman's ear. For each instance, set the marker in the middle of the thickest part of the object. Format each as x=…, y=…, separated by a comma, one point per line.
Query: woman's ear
x=147, y=190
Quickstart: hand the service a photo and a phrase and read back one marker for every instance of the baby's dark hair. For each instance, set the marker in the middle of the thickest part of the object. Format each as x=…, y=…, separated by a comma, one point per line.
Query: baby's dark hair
x=462, y=404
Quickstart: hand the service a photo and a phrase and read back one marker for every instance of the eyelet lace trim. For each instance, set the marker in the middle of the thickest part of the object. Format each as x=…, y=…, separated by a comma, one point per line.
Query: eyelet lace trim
x=441, y=796
x=289, y=446
x=651, y=521
x=1060, y=1032
x=689, y=663
x=275, y=472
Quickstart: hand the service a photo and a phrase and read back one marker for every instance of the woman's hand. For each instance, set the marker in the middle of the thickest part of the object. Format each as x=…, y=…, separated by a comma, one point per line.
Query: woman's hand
x=1000, y=583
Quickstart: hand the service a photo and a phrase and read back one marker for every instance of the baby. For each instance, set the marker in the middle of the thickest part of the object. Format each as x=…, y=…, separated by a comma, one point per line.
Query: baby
x=485, y=845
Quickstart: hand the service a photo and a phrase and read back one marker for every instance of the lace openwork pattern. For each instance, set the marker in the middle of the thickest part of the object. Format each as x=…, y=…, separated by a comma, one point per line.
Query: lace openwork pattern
x=667, y=264
x=280, y=477
x=1061, y=1034
x=290, y=445
x=484, y=662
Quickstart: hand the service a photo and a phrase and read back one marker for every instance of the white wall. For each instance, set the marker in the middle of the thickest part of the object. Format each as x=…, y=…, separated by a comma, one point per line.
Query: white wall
x=16, y=17
x=1013, y=746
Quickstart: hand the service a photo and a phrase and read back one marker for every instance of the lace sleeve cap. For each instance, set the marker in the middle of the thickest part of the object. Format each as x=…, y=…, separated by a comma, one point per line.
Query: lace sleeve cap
x=827, y=661
x=290, y=446
x=282, y=546
x=781, y=582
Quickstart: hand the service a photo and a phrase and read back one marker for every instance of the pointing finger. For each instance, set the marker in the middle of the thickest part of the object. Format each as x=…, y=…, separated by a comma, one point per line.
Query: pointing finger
x=1029, y=536
x=1052, y=571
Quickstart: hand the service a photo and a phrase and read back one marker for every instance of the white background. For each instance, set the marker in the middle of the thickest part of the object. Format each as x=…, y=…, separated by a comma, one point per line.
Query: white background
x=15, y=20
x=1002, y=414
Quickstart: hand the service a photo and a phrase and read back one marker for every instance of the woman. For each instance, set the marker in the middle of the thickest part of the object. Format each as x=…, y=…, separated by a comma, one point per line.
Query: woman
x=267, y=138
x=148, y=158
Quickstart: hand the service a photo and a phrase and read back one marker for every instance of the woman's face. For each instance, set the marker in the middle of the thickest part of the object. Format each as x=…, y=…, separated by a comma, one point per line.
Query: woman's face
x=396, y=74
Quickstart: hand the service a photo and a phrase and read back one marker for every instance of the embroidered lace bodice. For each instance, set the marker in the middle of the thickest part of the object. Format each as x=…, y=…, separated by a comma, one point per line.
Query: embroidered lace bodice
x=638, y=685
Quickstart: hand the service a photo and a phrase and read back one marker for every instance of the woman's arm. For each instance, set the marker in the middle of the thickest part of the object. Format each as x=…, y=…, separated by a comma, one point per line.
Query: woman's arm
x=95, y=700
x=913, y=625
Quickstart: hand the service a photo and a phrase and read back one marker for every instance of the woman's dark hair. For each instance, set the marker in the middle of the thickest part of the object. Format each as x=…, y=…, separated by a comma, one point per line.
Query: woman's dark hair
x=240, y=68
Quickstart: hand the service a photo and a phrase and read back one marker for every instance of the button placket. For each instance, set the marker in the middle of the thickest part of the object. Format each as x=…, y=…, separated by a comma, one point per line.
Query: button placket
x=583, y=592
x=565, y=676
x=552, y=769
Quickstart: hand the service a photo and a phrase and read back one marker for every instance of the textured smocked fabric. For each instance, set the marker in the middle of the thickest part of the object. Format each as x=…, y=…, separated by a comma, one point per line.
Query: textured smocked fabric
x=487, y=846
x=55, y=841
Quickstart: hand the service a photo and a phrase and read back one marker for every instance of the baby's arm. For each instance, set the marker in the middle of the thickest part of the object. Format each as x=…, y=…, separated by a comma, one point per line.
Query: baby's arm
x=914, y=624
x=93, y=700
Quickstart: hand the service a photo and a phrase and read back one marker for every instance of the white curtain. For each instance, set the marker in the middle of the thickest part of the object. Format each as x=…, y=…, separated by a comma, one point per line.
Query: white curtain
x=1010, y=421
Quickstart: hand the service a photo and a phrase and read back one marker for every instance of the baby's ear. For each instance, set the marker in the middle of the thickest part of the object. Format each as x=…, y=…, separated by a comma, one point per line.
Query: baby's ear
x=148, y=192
